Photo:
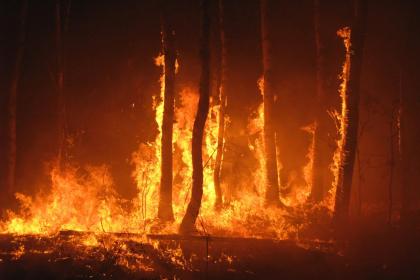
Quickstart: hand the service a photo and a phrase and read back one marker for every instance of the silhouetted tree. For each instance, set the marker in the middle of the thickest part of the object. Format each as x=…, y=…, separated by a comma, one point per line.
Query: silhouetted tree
x=165, y=212
x=16, y=72
x=407, y=114
x=272, y=183
x=188, y=222
x=60, y=28
x=357, y=38
x=222, y=100
x=320, y=162
x=393, y=133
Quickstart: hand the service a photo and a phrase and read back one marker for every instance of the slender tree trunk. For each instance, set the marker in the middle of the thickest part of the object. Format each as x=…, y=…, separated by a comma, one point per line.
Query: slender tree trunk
x=188, y=222
x=403, y=156
x=391, y=164
x=16, y=71
x=357, y=37
x=320, y=164
x=222, y=100
x=360, y=185
x=406, y=117
x=59, y=82
x=165, y=212
x=272, y=183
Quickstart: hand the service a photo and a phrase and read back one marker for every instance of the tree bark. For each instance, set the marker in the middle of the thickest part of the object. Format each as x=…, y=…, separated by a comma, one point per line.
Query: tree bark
x=392, y=123
x=272, y=184
x=320, y=163
x=188, y=222
x=60, y=84
x=404, y=155
x=13, y=93
x=165, y=211
x=343, y=192
x=407, y=118
x=222, y=100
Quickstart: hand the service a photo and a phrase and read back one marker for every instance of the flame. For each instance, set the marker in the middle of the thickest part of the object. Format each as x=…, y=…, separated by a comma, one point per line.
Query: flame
x=147, y=159
x=300, y=193
x=256, y=127
x=341, y=119
x=18, y=253
x=76, y=202
x=84, y=198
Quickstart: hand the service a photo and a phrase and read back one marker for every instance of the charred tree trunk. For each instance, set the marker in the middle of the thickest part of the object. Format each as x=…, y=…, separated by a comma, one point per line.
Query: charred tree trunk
x=165, y=212
x=407, y=142
x=61, y=25
x=16, y=71
x=59, y=79
x=222, y=100
x=343, y=192
x=188, y=222
x=407, y=118
x=392, y=124
x=320, y=163
x=272, y=183
x=404, y=156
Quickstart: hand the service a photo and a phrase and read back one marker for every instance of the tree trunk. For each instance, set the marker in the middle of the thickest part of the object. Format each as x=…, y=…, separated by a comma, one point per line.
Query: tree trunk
x=222, y=100
x=392, y=123
x=404, y=155
x=272, y=184
x=343, y=192
x=11, y=174
x=188, y=222
x=60, y=83
x=320, y=163
x=165, y=212
x=407, y=118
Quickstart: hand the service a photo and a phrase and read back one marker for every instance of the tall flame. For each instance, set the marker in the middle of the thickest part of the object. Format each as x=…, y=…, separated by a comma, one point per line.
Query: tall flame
x=341, y=117
x=147, y=158
x=84, y=199
x=84, y=202
x=256, y=128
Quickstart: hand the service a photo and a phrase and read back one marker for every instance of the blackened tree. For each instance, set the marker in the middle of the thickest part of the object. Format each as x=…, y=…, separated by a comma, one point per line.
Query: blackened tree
x=188, y=222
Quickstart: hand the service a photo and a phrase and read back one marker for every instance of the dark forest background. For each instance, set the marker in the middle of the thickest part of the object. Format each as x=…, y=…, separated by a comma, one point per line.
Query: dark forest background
x=110, y=78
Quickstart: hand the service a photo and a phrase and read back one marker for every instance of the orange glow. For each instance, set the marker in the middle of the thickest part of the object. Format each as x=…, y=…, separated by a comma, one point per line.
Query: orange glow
x=341, y=119
x=87, y=201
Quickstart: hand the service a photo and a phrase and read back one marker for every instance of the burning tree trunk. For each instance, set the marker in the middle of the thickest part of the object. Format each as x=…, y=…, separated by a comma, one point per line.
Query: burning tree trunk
x=272, y=184
x=320, y=163
x=165, y=212
x=11, y=174
x=222, y=100
x=350, y=114
x=191, y=215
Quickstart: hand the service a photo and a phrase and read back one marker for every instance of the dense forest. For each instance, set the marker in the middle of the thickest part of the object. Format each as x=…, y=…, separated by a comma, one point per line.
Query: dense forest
x=214, y=139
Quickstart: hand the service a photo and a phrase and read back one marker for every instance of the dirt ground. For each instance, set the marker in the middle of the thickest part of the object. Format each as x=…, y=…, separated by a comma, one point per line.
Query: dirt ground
x=386, y=255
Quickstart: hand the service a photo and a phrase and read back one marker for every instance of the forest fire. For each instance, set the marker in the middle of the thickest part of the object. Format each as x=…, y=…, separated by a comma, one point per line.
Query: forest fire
x=205, y=151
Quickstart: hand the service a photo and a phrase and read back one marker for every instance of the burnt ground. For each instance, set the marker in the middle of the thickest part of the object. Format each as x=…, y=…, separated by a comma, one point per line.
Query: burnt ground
x=386, y=255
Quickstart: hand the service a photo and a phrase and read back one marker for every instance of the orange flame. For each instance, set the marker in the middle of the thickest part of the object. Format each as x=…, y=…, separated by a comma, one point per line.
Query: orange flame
x=87, y=201
x=341, y=118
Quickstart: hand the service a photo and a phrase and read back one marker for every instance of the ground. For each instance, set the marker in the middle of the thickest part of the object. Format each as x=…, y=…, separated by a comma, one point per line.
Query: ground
x=75, y=255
